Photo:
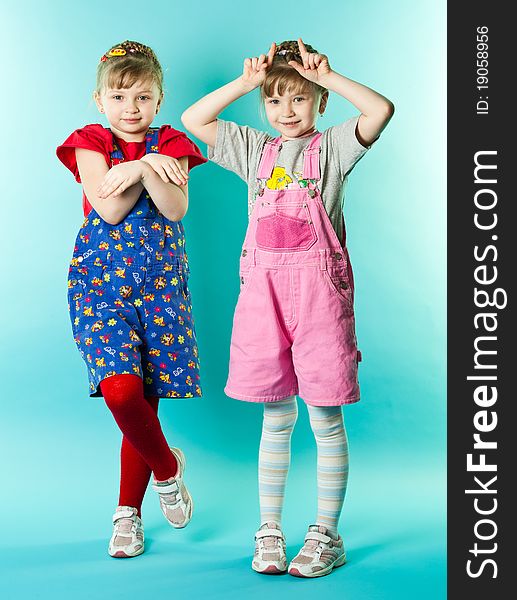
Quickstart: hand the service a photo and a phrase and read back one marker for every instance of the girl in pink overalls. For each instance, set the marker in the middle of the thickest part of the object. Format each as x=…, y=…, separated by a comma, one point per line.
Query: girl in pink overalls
x=294, y=326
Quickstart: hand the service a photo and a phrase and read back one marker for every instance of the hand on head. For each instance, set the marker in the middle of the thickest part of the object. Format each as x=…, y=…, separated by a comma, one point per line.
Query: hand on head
x=314, y=66
x=254, y=71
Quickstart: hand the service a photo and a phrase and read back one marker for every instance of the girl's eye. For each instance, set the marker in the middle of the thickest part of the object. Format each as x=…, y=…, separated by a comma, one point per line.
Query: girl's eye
x=117, y=97
x=299, y=99
x=273, y=101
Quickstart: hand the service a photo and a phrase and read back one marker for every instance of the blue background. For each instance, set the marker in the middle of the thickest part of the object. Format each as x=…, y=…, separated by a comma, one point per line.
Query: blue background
x=59, y=449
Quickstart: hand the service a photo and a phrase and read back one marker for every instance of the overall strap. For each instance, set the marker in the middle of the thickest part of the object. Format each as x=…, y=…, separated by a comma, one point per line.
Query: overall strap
x=268, y=158
x=151, y=145
x=311, y=158
x=116, y=154
x=151, y=140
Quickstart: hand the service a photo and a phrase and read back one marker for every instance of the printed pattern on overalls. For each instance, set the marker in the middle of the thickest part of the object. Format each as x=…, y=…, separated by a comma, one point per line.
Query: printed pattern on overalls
x=294, y=324
x=129, y=300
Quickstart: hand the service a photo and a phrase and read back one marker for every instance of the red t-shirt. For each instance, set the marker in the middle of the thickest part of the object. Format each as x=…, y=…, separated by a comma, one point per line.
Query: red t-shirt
x=171, y=142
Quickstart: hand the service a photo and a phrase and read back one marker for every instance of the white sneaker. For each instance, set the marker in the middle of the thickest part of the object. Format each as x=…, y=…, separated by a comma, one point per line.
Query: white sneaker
x=269, y=555
x=320, y=554
x=128, y=533
x=175, y=500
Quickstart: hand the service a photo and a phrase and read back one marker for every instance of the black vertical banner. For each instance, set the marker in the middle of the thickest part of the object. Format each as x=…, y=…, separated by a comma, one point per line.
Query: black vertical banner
x=482, y=242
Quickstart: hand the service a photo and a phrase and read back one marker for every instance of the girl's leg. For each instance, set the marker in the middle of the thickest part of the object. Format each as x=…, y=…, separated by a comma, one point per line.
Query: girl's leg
x=134, y=471
x=329, y=431
x=274, y=456
x=274, y=459
x=138, y=421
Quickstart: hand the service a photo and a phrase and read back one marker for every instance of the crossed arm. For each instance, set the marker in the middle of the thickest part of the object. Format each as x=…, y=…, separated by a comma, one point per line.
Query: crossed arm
x=113, y=192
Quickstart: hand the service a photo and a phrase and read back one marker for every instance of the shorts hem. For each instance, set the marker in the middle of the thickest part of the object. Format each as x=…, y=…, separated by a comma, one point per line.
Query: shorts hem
x=182, y=394
x=327, y=402
x=260, y=399
x=97, y=393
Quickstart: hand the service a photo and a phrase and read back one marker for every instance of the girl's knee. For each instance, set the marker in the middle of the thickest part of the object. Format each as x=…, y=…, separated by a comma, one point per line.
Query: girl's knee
x=326, y=421
x=280, y=417
x=120, y=391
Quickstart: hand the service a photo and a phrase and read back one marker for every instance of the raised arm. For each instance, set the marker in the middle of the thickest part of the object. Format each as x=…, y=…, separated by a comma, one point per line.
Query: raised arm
x=376, y=110
x=201, y=118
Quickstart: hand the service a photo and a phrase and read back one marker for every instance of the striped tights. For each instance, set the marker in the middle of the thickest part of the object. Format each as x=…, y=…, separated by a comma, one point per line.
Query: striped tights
x=275, y=452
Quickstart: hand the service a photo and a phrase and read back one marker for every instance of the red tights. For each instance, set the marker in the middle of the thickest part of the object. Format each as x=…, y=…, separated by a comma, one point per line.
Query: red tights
x=144, y=447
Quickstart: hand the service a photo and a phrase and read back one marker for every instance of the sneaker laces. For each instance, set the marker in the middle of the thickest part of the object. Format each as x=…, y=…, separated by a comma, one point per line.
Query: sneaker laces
x=169, y=498
x=310, y=546
x=271, y=541
x=124, y=525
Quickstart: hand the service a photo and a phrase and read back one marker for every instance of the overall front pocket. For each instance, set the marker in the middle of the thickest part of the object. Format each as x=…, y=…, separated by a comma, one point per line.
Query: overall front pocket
x=85, y=280
x=341, y=287
x=282, y=232
x=86, y=287
x=245, y=277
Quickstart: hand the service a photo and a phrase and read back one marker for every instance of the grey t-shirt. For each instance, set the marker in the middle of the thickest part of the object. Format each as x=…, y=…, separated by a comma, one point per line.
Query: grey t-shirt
x=239, y=148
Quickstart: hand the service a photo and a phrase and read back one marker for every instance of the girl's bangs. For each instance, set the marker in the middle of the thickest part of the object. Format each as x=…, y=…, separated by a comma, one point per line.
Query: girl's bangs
x=277, y=84
x=125, y=77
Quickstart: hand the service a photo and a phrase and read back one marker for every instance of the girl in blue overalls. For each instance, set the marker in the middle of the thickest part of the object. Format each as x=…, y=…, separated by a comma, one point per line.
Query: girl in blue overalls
x=128, y=296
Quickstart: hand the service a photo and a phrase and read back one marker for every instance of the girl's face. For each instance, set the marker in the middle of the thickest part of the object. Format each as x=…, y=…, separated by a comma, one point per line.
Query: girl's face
x=130, y=111
x=294, y=115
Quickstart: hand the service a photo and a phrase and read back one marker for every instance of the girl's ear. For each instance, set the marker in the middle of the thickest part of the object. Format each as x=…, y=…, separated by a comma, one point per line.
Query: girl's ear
x=323, y=102
x=97, y=99
x=158, y=106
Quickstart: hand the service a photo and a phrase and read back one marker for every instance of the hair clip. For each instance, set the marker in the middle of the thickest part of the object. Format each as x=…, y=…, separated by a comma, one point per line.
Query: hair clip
x=116, y=52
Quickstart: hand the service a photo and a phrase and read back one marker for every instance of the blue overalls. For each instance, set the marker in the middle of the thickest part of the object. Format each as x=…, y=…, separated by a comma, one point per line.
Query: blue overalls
x=129, y=301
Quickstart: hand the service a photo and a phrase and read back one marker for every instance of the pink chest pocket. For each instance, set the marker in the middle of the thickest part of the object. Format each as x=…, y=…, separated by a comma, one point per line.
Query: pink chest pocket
x=285, y=226
x=283, y=232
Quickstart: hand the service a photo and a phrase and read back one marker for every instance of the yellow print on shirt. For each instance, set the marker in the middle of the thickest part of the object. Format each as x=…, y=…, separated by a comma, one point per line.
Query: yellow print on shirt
x=279, y=179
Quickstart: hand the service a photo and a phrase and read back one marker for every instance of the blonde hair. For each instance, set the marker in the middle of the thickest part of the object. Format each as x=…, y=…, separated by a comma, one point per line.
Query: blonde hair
x=281, y=77
x=126, y=63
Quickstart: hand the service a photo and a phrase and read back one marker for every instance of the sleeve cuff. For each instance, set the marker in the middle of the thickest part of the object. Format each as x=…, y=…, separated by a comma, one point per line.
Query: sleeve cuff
x=214, y=152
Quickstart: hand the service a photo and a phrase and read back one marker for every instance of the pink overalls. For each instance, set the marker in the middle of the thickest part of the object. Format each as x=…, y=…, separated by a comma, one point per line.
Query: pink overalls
x=294, y=325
